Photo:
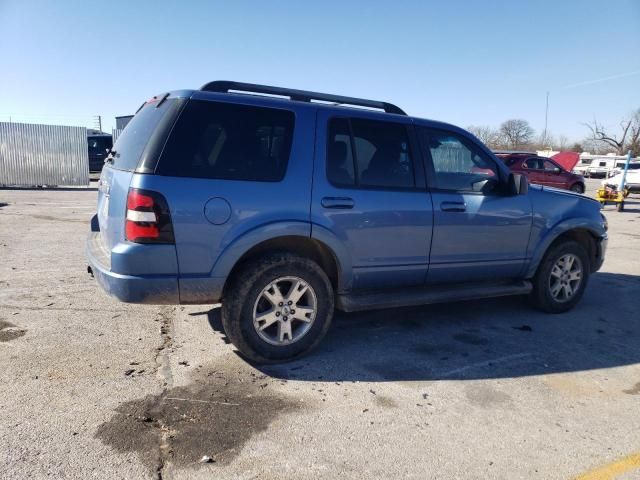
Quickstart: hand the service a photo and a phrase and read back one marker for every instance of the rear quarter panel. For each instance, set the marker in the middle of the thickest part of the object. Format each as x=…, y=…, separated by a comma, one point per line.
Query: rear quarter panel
x=258, y=211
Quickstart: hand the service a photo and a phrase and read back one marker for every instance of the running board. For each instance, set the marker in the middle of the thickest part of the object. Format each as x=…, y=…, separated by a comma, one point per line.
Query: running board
x=430, y=294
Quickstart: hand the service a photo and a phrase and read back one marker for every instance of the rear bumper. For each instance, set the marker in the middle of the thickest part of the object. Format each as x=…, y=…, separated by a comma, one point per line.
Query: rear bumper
x=151, y=289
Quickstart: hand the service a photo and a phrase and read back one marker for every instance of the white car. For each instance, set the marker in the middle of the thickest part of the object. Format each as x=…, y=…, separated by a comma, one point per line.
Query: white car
x=619, y=167
x=632, y=181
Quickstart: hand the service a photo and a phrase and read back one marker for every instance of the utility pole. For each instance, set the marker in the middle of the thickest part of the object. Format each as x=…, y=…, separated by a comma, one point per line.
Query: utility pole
x=546, y=117
x=98, y=122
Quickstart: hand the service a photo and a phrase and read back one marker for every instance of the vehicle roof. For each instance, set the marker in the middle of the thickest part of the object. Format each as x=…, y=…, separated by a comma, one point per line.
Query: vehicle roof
x=506, y=153
x=278, y=102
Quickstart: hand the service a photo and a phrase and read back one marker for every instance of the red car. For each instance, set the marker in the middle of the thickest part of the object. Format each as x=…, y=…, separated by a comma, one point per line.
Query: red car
x=542, y=170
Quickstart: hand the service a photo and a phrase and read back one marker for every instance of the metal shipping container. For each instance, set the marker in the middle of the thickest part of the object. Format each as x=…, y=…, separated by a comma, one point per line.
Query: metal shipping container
x=32, y=154
x=115, y=133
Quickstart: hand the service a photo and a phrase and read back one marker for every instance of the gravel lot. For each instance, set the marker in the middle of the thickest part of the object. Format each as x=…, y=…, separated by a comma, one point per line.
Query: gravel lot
x=90, y=387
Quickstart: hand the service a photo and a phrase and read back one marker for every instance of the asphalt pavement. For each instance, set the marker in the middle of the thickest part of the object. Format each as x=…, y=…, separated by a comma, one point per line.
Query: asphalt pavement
x=93, y=388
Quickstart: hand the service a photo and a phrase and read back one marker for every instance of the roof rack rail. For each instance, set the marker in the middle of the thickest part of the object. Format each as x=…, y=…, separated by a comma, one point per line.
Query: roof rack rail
x=226, y=86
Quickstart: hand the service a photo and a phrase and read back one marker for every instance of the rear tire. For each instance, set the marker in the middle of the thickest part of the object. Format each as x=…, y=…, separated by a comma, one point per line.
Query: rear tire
x=258, y=318
x=561, y=278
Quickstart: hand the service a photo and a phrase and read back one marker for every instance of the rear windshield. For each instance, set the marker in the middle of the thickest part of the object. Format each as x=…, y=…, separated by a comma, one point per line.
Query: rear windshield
x=134, y=138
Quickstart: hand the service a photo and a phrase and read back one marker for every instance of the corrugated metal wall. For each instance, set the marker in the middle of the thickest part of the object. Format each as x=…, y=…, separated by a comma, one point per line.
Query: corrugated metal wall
x=115, y=133
x=33, y=154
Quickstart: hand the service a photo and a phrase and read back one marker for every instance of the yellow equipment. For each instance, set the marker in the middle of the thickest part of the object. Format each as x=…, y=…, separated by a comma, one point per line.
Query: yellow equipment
x=608, y=194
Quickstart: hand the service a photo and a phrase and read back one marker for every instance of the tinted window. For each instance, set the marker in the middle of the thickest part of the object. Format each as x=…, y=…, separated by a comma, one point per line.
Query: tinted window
x=549, y=165
x=369, y=153
x=339, y=156
x=133, y=139
x=99, y=145
x=228, y=141
x=456, y=162
x=533, y=164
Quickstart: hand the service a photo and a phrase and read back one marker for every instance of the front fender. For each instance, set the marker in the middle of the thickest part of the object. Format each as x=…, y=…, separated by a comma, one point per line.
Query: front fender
x=552, y=234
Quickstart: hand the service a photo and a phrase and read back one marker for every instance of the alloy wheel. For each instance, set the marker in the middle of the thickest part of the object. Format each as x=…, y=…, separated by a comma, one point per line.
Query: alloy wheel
x=285, y=311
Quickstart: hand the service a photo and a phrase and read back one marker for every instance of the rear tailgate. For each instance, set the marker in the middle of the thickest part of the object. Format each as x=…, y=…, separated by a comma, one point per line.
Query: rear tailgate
x=142, y=138
x=112, y=199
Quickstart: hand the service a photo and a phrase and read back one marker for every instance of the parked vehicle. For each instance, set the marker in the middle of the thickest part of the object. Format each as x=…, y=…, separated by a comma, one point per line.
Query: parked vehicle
x=619, y=167
x=632, y=180
x=542, y=170
x=286, y=208
x=581, y=167
x=601, y=167
x=99, y=146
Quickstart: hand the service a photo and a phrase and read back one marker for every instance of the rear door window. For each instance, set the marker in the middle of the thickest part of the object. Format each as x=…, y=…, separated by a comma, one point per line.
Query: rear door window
x=369, y=153
x=533, y=164
x=229, y=141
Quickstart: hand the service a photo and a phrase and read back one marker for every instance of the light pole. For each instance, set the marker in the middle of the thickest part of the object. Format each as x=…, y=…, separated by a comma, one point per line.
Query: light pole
x=546, y=117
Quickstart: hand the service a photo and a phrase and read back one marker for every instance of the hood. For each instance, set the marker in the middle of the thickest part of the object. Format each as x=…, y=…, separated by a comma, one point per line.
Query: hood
x=567, y=160
x=564, y=193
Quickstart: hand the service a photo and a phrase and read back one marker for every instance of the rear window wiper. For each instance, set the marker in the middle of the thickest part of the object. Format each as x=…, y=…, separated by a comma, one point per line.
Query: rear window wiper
x=110, y=156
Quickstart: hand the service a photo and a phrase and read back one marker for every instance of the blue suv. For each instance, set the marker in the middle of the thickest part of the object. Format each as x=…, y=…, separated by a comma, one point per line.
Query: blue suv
x=285, y=204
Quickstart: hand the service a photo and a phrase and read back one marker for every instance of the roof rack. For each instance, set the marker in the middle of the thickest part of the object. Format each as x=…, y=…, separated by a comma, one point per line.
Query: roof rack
x=513, y=152
x=226, y=86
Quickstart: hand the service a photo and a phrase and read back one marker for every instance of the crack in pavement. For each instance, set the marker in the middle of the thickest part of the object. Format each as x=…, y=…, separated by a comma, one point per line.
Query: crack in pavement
x=163, y=370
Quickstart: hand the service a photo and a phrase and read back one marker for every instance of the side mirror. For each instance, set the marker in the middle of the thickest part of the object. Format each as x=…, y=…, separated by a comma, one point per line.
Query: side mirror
x=556, y=170
x=517, y=184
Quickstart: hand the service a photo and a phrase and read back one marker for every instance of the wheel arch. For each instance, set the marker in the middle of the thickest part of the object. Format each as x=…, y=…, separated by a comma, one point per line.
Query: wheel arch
x=303, y=246
x=578, y=182
x=581, y=234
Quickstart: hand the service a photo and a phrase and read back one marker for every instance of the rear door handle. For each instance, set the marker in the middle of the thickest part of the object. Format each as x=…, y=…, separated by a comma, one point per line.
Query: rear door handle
x=337, y=202
x=453, y=206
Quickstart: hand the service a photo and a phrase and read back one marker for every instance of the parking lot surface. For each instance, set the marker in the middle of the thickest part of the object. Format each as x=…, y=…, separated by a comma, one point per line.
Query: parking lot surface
x=90, y=387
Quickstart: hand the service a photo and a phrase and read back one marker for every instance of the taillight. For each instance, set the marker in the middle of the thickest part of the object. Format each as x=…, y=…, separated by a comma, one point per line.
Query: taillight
x=148, y=219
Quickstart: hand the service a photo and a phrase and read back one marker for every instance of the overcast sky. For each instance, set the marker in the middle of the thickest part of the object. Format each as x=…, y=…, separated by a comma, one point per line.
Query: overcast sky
x=465, y=62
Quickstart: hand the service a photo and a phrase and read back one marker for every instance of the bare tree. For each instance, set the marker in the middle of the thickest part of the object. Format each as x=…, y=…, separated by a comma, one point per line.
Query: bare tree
x=517, y=133
x=593, y=146
x=487, y=135
x=628, y=138
x=545, y=141
x=562, y=142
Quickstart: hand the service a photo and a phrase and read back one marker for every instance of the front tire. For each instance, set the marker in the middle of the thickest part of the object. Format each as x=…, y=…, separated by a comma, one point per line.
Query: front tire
x=561, y=278
x=578, y=188
x=277, y=308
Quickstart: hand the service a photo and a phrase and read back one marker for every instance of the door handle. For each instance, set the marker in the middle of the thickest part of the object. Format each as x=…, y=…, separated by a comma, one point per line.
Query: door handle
x=337, y=202
x=453, y=206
